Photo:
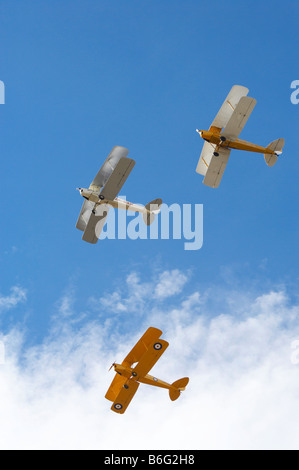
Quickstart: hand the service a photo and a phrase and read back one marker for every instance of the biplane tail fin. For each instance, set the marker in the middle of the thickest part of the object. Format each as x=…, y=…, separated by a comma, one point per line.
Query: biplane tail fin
x=152, y=208
x=276, y=146
x=178, y=387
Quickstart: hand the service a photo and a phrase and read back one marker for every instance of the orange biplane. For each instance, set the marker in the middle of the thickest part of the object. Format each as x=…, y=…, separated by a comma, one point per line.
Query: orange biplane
x=223, y=134
x=145, y=353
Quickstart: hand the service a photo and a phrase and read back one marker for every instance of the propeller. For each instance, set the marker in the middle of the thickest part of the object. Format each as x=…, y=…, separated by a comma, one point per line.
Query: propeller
x=112, y=366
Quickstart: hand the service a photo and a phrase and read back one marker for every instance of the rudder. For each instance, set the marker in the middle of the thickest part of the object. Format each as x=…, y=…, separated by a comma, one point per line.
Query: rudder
x=154, y=208
x=276, y=146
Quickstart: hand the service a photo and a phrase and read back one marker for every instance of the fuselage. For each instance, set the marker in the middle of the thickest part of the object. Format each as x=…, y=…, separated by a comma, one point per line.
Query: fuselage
x=128, y=372
x=117, y=203
x=213, y=135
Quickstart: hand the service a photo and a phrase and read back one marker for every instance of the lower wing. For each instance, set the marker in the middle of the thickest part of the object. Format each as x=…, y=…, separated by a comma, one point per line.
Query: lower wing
x=149, y=358
x=95, y=224
x=205, y=158
x=239, y=118
x=230, y=103
x=84, y=215
x=117, y=178
x=115, y=387
x=216, y=167
x=125, y=396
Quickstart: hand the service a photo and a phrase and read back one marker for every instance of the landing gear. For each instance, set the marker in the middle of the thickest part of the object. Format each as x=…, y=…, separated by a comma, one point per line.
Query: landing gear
x=94, y=209
x=222, y=138
x=216, y=154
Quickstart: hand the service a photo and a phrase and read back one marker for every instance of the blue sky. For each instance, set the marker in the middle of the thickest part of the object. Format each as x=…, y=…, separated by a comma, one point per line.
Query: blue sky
x=83, y=76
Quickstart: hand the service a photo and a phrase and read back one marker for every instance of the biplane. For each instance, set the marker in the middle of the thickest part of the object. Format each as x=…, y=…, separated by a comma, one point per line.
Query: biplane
x=102, y=194
x=134, y=370
x=223, y=133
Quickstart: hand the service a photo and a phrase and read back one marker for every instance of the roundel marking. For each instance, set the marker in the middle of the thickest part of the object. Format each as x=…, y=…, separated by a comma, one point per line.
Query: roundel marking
x=118, y=406
x=157, y=346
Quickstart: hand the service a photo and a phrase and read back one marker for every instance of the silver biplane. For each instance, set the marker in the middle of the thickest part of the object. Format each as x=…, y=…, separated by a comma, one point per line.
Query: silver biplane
x=102, y=194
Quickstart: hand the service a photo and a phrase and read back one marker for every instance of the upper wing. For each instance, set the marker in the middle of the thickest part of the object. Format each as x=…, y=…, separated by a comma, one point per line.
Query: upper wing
x=151, y=334
x=149, y=358
x=118, y=178
x=95, y=224
x=229, y=105
x=108, y=166
x=125, y=396
x=115, y=387
x=239, y=118
x=216, y=168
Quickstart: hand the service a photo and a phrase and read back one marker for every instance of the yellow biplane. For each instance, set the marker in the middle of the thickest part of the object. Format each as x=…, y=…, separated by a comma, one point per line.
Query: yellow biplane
x=223, y=136
x=145, y=353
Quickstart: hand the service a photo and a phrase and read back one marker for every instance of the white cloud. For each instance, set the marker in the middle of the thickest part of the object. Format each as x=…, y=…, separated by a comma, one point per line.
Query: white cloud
x=66, y=305
x=17, y=296
x=243, y=390
x=170, y=283
x=135, y=295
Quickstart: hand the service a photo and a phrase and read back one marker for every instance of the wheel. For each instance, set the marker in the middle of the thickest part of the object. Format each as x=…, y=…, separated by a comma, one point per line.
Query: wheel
x=222, y=138
x=134, y=374
x=157, y=346
x=216, y=154
x=101, y=197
